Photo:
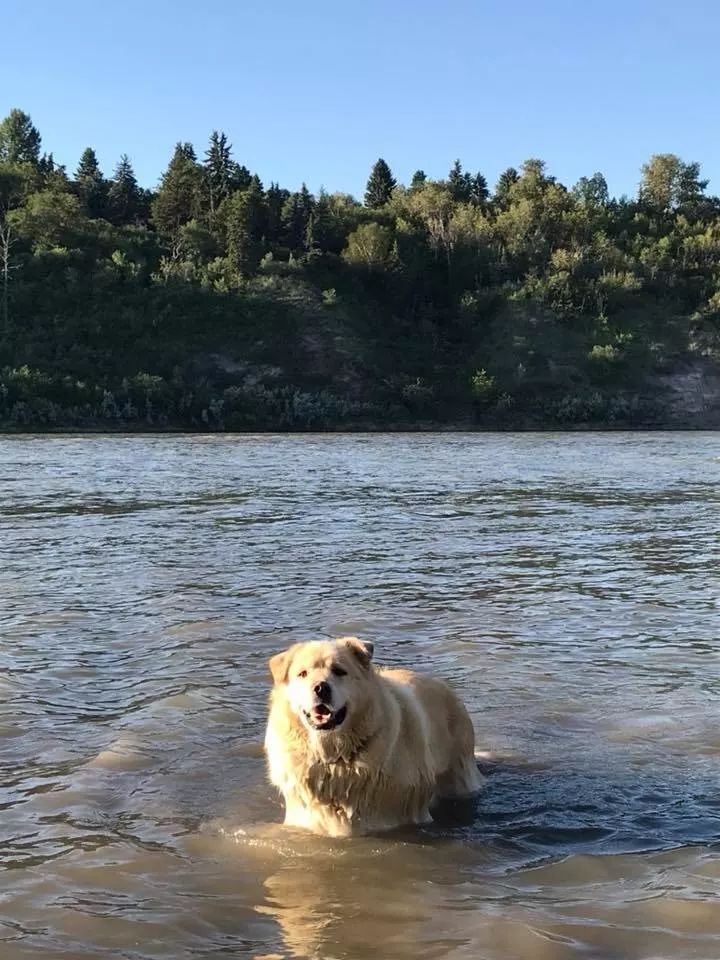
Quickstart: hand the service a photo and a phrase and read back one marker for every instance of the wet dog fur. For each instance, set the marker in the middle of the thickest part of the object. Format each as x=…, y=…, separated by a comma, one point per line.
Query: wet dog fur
x=354, y=749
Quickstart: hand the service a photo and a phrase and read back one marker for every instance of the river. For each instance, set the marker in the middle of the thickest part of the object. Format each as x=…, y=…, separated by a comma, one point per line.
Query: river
x=567, y=585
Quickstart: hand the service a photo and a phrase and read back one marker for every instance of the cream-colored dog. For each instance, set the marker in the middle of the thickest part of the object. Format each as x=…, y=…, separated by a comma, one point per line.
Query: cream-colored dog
x=354, y=749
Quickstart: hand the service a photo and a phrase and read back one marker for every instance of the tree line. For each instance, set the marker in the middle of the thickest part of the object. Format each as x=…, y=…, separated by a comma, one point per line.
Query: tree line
x=219, y=302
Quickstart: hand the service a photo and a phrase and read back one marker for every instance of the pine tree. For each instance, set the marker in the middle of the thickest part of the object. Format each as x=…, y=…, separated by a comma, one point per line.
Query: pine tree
x=19, y=139
x=296, y=213
x=380, y=185
x=478, y=190
x=124, y=195
x=92, y=188
x=459, y=183
x=508, y=178
x=418, y=179
x=218, y=170
x=311, y=243
x=53, y=175
x=240, y=177
x=179, y=198
x=243, y=215
x=325, y=232
x=275, y=199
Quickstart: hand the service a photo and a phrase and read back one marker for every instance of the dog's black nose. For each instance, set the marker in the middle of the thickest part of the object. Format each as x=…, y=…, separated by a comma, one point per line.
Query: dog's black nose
x=323, y=691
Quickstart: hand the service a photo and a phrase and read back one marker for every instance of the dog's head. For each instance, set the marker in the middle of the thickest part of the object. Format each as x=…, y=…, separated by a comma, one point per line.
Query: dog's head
x=325, y=682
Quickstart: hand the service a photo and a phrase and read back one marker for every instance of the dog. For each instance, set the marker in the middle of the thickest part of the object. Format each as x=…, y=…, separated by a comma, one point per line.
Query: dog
x=354, y=749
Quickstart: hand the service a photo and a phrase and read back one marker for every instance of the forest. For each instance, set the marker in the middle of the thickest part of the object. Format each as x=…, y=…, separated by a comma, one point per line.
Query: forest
x=220, y=302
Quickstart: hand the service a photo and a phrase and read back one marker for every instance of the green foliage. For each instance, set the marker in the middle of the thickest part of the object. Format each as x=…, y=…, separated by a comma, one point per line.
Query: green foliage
x=48, y=220
x=219, y=171
x=19, y=139
x=92, y=188
x=483, y=386
x=369, y=246
x=667, y=182
x=505, y=184
x=380, y=185
x=124, y=196
x=242, y=216
x=179, y=198
x=236, y=307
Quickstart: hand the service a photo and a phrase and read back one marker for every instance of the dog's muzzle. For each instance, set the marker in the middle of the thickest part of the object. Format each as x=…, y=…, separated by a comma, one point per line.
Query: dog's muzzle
x=323, y=717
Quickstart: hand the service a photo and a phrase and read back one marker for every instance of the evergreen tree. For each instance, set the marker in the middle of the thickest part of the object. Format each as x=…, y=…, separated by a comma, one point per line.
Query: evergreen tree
x=124, y=195
x=380, y=185
x=459, y=183
x=240, y=177
x=311, y=243
x=218, y=170
x=325, y=229
x=508, y=178
x=19, y=139
x=478, y=192
x=275, y=199
x=179, y=198
x=418, y=179
x=92, y=188
x=52, y=174
x=296, y=213
x=243, y=215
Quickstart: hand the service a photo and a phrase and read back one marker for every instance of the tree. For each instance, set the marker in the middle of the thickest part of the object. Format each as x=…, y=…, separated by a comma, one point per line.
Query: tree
x=533, y=181
x=380, y=185
x=312, y=247
x=296, y=213
x=19, y=139
x=48, y=219
x=53, y=175
x=179, y=198
x=592, y=191
x=92, y=187
x=369, y=246
x=508, y=178
x=667, y=182
x=7, y=242
x=275, y=199
x=240, y=178
x=458, y=182
x=218, y=170
x=327, y=232
x=418, y=179
x=17, y=181
x=478, y=192
x=124, y=195
x=243, y=215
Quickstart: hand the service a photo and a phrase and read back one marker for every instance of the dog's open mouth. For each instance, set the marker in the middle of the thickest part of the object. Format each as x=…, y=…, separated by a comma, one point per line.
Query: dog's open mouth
x=322, y=717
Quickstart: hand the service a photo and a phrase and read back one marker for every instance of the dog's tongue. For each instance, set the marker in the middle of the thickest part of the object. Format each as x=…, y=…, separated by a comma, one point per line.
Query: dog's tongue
x=321, y=712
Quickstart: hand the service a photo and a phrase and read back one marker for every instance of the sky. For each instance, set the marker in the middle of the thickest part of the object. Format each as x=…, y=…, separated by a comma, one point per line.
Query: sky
x=317, y=90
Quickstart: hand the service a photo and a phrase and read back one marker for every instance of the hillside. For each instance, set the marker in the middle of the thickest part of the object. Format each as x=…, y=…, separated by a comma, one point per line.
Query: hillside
x=217, y=303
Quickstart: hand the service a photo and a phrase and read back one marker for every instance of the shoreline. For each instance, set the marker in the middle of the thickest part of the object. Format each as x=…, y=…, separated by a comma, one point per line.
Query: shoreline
x=364, y=429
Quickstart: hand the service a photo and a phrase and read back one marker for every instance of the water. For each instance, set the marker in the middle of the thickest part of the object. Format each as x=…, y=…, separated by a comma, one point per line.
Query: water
x=568, y=586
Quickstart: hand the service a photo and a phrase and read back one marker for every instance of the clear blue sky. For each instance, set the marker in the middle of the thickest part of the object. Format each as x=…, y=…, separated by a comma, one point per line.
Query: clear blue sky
x=317, y=90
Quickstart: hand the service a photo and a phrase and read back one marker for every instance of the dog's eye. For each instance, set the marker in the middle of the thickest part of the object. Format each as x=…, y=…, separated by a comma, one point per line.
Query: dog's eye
x=302, y=674
x=339, y=672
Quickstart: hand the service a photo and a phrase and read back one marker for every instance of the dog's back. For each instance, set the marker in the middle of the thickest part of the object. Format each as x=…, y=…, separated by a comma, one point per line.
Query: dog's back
x=447, y=731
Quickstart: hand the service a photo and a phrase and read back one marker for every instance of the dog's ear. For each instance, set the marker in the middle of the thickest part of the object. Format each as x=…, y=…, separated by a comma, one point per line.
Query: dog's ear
x=363, y=649
x=280, y=665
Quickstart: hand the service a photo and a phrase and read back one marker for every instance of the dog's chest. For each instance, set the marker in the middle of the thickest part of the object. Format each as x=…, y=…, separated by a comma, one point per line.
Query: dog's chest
x=338, y=782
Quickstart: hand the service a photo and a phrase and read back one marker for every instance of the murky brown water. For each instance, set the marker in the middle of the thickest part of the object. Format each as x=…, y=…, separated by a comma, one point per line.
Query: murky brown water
x=568, y=585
